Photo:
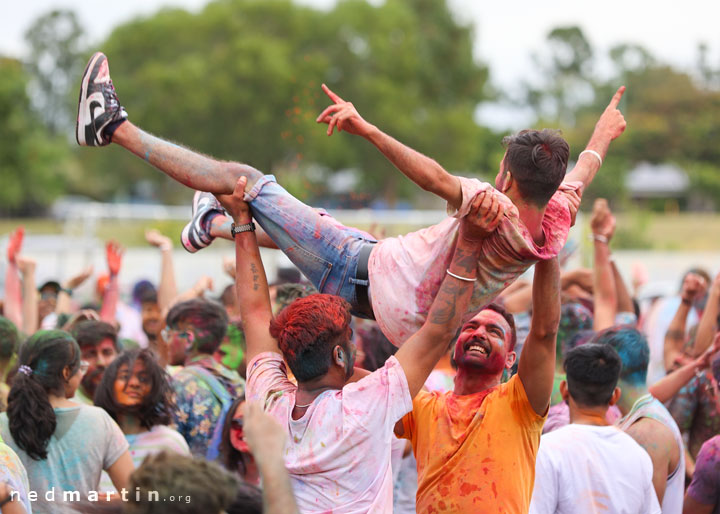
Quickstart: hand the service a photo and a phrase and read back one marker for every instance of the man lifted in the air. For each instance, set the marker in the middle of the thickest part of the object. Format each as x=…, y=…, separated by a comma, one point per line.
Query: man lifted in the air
x=394, y=280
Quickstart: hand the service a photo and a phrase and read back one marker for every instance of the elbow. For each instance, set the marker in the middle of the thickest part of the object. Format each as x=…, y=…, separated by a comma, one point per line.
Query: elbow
x=545, y=334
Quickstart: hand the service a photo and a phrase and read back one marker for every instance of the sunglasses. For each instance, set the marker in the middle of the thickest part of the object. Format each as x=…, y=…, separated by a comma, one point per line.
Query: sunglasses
x=84, y=366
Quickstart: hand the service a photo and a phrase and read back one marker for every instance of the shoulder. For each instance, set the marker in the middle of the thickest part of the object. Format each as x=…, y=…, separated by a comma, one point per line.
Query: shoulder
x=712, y=446
x=651, y=434
x=90, y=411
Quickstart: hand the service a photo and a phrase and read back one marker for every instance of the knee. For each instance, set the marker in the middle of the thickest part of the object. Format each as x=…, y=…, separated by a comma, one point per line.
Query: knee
x=235, y=170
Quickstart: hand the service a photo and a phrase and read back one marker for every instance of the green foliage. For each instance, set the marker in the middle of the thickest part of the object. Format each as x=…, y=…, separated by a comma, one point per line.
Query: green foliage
x=33, y=163
x=56, y=60
x=241, y=81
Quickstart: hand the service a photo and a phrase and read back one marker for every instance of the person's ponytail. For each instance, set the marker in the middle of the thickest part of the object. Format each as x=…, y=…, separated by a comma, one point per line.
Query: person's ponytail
x=31, y=417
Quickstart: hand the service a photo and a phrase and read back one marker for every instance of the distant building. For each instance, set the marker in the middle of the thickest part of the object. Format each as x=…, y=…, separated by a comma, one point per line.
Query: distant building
x=660, y=187
x=657, y=181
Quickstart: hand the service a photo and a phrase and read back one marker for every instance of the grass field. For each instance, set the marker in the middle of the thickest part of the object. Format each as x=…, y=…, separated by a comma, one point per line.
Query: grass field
x=640, y=230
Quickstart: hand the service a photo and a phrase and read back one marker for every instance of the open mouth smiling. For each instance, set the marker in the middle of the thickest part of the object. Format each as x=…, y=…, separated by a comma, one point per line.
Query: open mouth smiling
x=477, y=345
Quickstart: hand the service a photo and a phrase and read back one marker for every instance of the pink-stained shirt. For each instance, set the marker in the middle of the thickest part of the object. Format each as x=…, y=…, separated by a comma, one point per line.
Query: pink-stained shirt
x=406, y=271
x=338, y=453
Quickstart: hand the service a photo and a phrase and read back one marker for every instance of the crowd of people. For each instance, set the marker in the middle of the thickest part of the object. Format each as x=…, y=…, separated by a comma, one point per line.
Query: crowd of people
x=460, y=368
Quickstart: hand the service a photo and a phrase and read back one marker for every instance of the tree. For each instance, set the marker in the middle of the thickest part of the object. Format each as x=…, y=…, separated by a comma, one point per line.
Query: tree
x=566, y=76
x=241, y=81
x=34, y=163
x=56, y=60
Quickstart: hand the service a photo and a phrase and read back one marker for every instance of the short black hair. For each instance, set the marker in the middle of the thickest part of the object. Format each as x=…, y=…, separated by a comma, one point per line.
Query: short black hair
x=156, y=407
x=92, y=333
x=208, y=318
x=537, y=161
x=509, y=318
x=592, y=373
x=147, y=296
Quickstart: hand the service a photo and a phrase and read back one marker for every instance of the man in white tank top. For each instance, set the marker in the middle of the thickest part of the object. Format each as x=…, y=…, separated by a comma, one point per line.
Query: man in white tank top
x=645, y=419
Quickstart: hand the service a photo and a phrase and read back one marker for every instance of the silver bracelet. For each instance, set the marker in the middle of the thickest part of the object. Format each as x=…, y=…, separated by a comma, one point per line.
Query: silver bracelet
x=592, y=152
x=460, y=278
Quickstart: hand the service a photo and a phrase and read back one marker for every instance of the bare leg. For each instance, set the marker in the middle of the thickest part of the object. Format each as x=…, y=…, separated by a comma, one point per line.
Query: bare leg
x=190, y=168
x=220, y=227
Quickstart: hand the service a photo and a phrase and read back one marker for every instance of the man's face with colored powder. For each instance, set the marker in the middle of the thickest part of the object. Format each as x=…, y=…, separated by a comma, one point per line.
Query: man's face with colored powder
x=484, y=344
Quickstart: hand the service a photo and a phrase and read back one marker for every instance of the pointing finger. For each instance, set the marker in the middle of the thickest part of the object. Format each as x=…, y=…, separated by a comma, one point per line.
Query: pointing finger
x=616, y=98
x=335, y=98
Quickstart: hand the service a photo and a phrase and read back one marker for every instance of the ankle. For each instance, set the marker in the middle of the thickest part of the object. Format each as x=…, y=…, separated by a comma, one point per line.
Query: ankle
x=110, y=130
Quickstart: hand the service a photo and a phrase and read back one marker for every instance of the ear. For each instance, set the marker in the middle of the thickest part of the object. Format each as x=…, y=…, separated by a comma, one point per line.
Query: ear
x=564, y=391
x=510, y=359
x=507, y=181
x=67, y=373
x=615, y=396
x=339, y=356
x=190, y=340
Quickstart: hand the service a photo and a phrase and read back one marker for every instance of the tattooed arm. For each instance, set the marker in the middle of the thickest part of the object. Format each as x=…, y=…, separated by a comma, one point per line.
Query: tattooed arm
x=536, y=368
x=423, y=350
x=250, y=280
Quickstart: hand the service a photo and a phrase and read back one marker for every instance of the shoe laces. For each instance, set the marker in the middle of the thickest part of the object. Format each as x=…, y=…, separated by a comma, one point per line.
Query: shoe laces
x=110, y=95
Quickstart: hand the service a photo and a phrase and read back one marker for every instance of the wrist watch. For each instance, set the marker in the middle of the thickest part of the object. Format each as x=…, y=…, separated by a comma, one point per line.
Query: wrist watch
x=247, y=227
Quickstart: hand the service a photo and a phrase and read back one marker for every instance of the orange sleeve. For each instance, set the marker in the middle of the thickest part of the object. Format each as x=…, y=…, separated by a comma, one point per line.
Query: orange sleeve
x=416, y=415
x=522, y=410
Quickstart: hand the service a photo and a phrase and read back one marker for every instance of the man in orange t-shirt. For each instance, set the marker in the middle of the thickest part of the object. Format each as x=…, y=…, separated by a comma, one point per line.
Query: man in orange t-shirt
x=476, y=446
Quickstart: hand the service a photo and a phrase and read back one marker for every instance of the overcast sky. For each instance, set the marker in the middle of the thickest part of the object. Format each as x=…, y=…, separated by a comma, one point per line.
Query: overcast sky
x=506, y=32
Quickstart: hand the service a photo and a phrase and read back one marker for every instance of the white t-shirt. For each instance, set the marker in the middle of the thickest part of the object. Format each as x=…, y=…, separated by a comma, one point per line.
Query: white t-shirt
x=338, y=453
x=591, y=469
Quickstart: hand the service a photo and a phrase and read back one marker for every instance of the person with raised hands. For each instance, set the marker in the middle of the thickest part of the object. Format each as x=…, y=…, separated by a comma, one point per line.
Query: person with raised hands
x=340, y=419
x=378, y=279
x=476, y=445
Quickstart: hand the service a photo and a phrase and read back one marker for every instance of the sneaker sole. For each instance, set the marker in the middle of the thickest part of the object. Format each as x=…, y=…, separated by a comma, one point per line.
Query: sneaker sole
x=83, y=117
x=185, y=240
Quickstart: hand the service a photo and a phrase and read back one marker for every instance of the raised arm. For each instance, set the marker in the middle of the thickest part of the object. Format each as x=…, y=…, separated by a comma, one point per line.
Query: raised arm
x=29, y=295
x=536, y=368
x=419, y=355
x=610, y=125
x=13, y=286
x=604, y=291
x=708, y=321
x=167, y=289
x=693, y=287
x=250, y=280
x=114, y=253
x=267, y=441
x=64, y=300
x=669, y=385
x=422, y=170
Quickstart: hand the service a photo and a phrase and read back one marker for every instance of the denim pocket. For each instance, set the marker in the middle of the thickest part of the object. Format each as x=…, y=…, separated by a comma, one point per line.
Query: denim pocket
x=315, y=268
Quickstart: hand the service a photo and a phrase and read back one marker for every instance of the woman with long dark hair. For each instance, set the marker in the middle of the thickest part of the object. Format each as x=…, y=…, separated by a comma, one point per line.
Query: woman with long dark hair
x=234, y=452
x=135, y=390
x=63, y=445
